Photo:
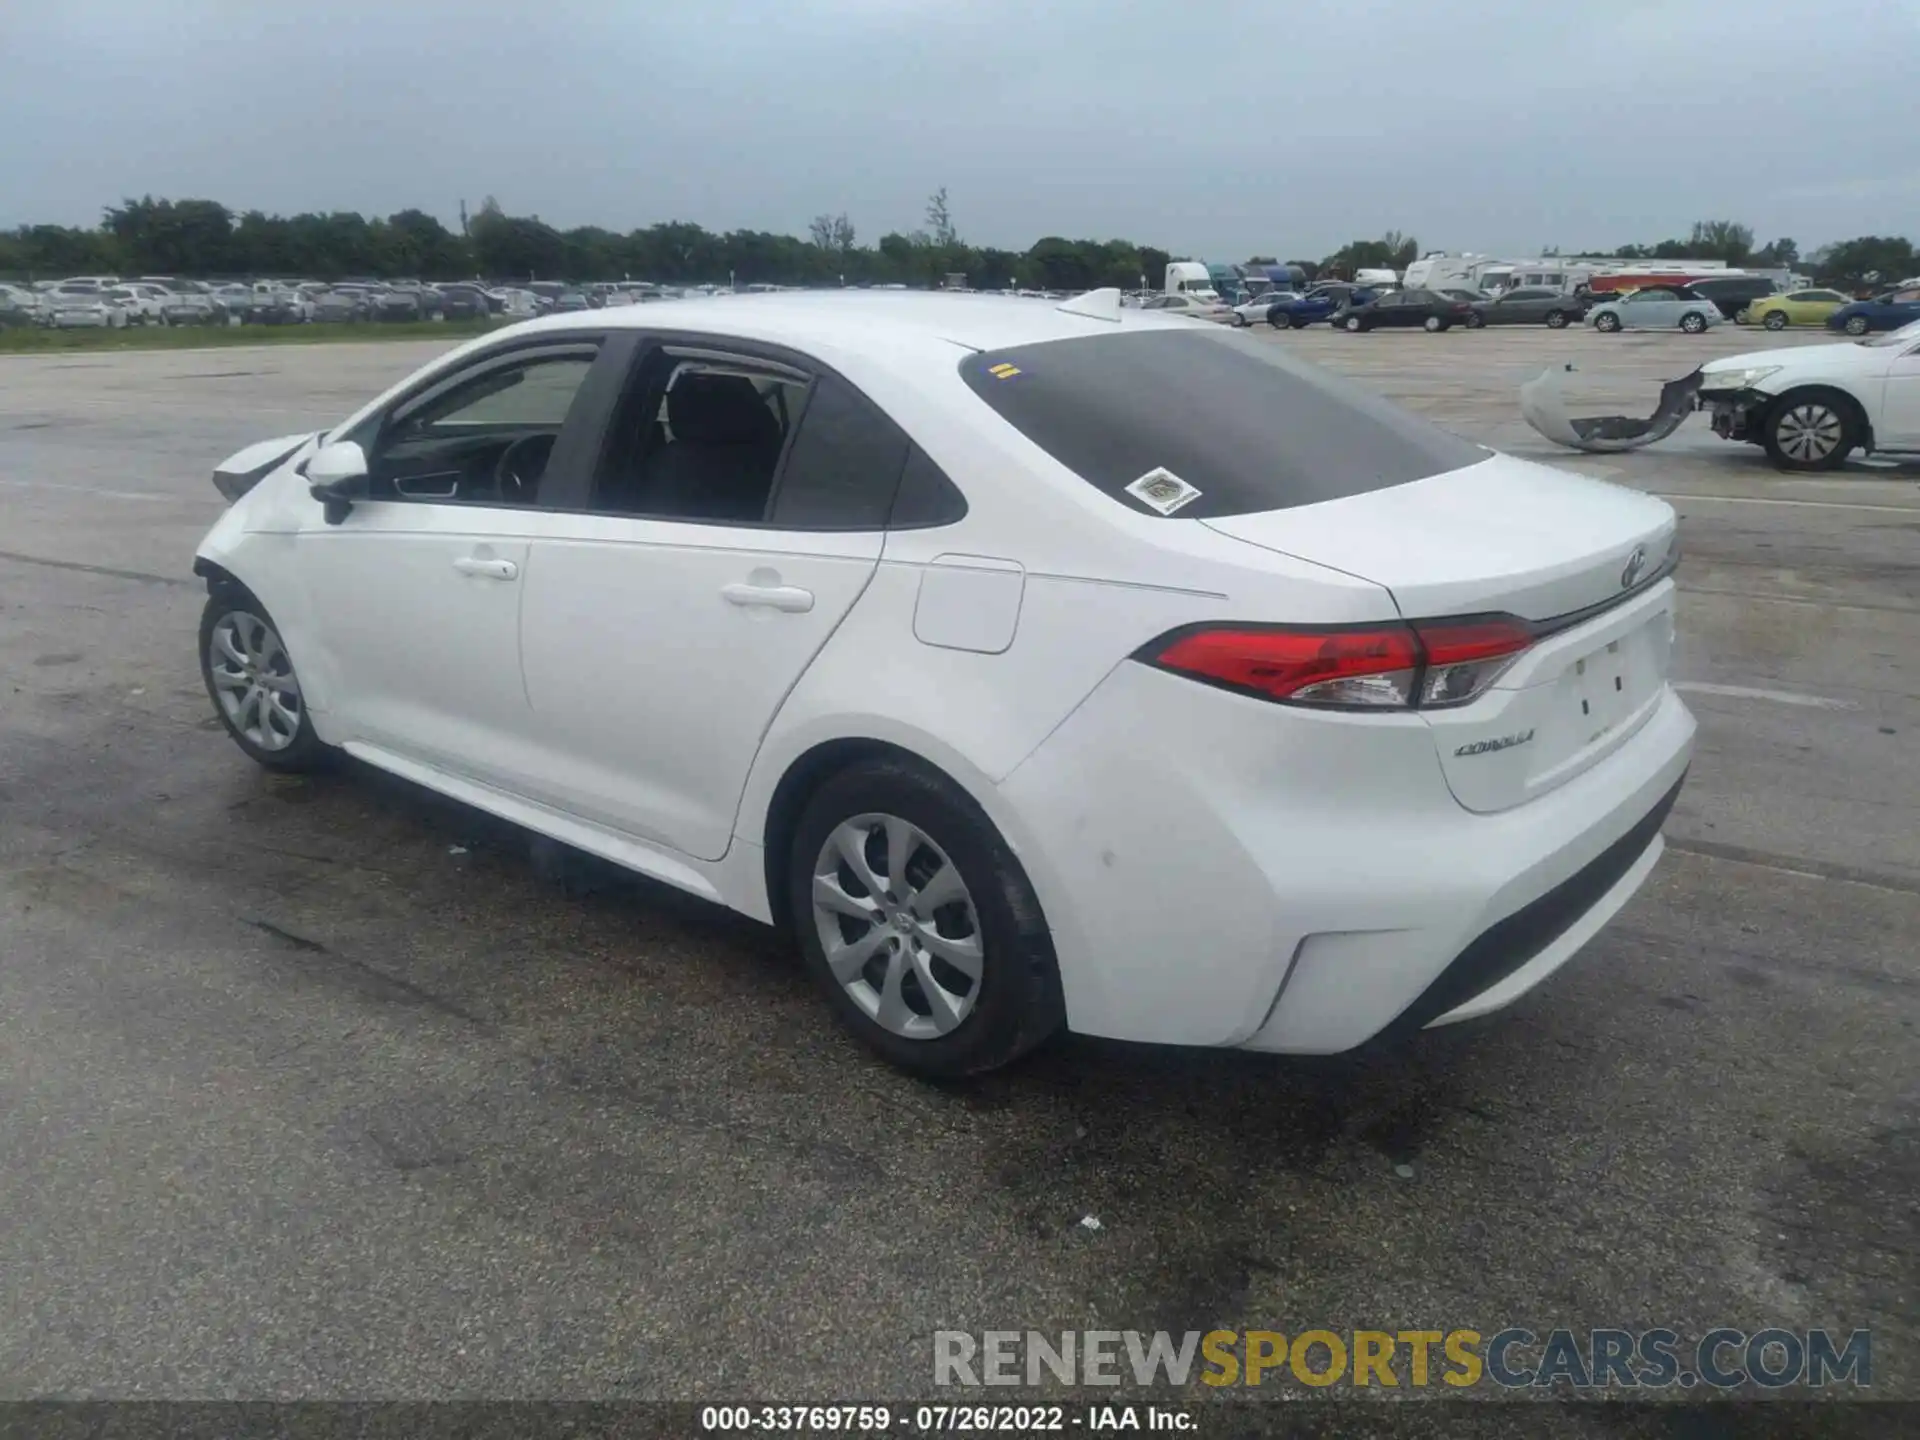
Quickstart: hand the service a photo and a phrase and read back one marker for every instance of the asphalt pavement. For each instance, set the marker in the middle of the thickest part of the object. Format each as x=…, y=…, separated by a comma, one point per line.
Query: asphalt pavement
x=328, y=1088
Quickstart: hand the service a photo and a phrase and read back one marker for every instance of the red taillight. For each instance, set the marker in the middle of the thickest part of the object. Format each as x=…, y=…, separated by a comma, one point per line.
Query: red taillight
x=1427, y=664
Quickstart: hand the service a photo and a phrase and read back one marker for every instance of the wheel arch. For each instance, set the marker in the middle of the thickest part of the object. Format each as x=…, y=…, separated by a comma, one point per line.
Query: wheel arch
x=774, y=822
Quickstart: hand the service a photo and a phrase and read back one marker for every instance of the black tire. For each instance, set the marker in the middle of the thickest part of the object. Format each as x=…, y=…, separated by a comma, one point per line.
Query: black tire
x=307, y=751
x=1279, y=321
x=1693, y=322
x=1433, y=324
x=1239, y=320
x=1776, y=320
x=1803, y=406
x=1609, y=322
x=1018, y=1004
x=1557, y=319
x=1857, y=325
x=1353, y=324
x=1476, y=321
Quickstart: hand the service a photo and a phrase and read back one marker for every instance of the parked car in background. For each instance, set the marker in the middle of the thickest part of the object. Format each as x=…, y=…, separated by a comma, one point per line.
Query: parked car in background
x=83, y=309
x=20, y=306
x=145, y=304
x=1532, y=305
x=186, y=302
x=1798, y=307
x=1733, y=294
x=1404, y=309
x=1318, y=303
x=1887, y=311
x=269, y=302
x=342, y=305
x=464, y=302
x=1247, y=312
x=1658, y=307
x=233, y=301
x=1810, y=406
x=1194, y=304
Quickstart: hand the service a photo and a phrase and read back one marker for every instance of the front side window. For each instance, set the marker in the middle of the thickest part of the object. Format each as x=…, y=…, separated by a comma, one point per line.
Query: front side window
x=1245, y=424
x=483, y=437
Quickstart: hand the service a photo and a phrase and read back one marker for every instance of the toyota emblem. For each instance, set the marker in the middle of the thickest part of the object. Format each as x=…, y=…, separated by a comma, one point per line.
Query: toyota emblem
x=1636, y=562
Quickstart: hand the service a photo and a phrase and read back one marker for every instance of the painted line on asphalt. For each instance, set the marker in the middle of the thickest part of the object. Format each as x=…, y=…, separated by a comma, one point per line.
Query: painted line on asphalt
x=89, y=490
x=1796, y=865
x=141, y=575
x=1797, y=504
x=1778, y=697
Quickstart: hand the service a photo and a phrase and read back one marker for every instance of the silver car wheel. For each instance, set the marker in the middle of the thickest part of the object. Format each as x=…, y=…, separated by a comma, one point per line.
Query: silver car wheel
x=1809, y=432
x=898, y=926
x=254, y=680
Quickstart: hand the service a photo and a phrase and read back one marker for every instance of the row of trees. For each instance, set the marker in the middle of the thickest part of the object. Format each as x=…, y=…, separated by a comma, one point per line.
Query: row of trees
x=204, y=238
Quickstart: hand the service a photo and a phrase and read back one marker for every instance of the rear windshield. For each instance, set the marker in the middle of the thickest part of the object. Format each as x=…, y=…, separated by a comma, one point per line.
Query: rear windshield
x=1240, y=421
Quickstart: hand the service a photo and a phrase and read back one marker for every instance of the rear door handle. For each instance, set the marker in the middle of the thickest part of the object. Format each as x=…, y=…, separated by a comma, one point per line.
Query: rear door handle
x=487, y=569
x=790, y=598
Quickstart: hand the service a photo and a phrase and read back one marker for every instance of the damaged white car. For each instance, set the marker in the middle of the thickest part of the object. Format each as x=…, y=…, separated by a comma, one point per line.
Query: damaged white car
x=1809, y=407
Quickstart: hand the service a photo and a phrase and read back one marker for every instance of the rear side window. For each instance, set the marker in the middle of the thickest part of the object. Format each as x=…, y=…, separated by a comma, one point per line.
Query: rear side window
x=1242, y=424
x=844, y=467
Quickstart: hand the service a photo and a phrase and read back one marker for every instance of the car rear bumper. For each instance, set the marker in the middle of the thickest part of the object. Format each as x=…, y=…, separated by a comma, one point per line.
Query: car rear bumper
x=1219, y=871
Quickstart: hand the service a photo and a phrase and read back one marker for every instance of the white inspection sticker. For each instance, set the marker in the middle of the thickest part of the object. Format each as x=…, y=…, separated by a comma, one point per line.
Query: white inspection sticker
x=1163, y=490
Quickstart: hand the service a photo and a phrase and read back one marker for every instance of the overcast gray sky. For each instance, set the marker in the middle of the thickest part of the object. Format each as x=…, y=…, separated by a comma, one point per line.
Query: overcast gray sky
x=1221, y=130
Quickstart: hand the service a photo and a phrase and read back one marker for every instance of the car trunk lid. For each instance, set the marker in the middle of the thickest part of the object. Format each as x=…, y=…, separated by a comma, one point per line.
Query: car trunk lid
x=1581, y=559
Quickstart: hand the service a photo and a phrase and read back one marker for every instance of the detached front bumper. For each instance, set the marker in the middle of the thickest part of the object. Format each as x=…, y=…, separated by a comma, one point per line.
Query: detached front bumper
x=1543, y=402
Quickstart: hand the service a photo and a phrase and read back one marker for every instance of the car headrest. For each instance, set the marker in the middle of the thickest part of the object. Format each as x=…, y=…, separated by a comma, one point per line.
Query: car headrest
x=719, y=410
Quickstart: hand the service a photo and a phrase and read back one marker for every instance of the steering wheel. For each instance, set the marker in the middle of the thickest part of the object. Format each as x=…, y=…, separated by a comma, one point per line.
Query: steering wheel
x=516, y=475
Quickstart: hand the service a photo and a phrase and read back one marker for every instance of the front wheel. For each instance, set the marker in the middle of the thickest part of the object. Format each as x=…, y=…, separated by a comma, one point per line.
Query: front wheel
x=1810, y=430
x=1856, y=325
x=255, y=690
x=1353, y=325
x=918, y=923
x=1239, y=320
x=1776, y=320
x=1608, y=323
x=1476, y=322
x=1693, y=322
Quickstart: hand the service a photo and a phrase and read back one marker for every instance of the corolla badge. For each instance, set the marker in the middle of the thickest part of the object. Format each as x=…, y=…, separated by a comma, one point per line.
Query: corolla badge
x=1636, y=562
x=1487, y=747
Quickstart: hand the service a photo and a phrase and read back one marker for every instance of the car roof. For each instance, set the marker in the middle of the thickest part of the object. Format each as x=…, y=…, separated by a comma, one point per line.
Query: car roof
x=861, y=320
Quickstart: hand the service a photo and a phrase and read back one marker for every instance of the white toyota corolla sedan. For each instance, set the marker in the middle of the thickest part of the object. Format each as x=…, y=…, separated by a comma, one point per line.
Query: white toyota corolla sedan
x=1036, y=664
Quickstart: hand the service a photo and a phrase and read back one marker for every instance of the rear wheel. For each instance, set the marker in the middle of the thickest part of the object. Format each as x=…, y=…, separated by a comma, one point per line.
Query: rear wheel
x=1776, y=320
x=1693, y=322
x=1811, y=430
x=918, y=923
x=1557, y=320
x=1433, y=324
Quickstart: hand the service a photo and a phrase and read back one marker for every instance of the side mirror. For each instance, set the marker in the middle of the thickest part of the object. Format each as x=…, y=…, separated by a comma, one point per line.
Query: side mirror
x=336, y=477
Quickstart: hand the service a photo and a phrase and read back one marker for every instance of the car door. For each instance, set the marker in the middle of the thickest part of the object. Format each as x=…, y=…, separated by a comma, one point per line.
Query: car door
x=413, y=597
x=1651, y=309
x=1899, y=427
x=737, y=513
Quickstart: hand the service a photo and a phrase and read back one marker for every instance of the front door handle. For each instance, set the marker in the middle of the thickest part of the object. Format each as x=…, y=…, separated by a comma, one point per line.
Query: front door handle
x=790, y=598
x=487, y=569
